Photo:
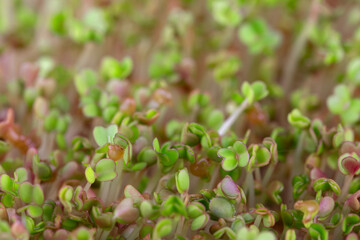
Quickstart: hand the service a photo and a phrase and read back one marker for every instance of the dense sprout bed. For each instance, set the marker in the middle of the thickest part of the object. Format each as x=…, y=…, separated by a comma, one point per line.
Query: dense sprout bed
x=179, y=119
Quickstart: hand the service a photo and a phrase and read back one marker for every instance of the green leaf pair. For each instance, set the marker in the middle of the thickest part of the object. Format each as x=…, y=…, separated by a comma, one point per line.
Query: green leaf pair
x=41, y=169
x=105, y=170
x=103, y=135
x=173, y=206
x=225, y=13
x=343, y=104
x=194, y=132
x=349, y=163
x=29, y=193
x=310, y=208
x=32, y=210
x=166, y=155
x=299, y=183
x=163, y=228
x=297, y=119
x=8, y=185
x=103, y=219
x=185, y=152
x=197, y=212
x=254, y=92
x=215, y=119
x=225, y=231
x=222, y=208
x=318, y=231
x=253, y=233
x=227, y=69
x=353, y=71
x=113, y=69
x=66, y=194
x=266, y=215
x=350, y=222
x=199, y=99
x=85, y=80
x=259, y=156
x=326, y=185
x=258, y=37
x=182, y=180
x=234, y=156
x=342, y=135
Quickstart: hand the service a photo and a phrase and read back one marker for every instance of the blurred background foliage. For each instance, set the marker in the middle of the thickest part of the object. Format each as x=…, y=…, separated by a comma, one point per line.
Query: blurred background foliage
x=300, y=49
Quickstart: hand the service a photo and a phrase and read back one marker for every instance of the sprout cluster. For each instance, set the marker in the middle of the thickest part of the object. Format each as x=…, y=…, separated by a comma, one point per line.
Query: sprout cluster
x=179, y=119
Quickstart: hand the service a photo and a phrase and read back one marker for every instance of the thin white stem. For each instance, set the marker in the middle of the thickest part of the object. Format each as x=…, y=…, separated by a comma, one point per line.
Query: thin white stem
x=87, y=187
x=298, y=47
x=223, y=129
x=230, y=121
x=116, y=184
x=104, y=191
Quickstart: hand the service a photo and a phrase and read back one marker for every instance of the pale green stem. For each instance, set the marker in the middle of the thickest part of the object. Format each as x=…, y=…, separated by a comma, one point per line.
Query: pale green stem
x=249, y=187
x=105, y=234
x=47, y=143
x=98, y=233
x=43, y=36
x=109, y=191
x=257, y=221
x=153, y=182
x=215, y=176
x=297, y=165
x=136, y=230
x=87, y=187
x=258, y=174
x=297, y=49
x=7, y=15
x=115, y=188
x=230, y=121
x=53, y=191
x=86, y=54
x=251, y=191
x=180, y=226
x=223, y=130
x=345, y=188
x=268, y=174
x=338, y=234
x=162, y=179
x=104, y=191
x=266, y=179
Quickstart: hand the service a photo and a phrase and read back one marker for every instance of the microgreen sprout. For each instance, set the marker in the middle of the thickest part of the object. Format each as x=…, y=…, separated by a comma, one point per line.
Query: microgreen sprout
x=181, y=119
